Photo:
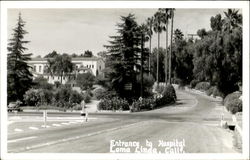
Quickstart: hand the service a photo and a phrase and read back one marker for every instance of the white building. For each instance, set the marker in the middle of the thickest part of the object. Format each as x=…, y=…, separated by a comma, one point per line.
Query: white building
x=94, y=65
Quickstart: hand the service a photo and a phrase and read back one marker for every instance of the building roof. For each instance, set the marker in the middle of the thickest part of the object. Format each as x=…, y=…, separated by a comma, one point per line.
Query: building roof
x=73, y=59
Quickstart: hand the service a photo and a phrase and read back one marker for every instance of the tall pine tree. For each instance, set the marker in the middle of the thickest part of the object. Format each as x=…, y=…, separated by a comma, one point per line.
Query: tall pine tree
x=123, y=57
x=19, y=75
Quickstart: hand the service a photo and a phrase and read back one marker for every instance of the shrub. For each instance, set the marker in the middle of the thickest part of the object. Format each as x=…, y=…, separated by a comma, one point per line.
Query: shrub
x=169, y=92
x=34, y=97
x=75, y=97
x=233, y=103
x=144, y=104
x=159, y=88
x=193, y=83
x=100, y=93
x=115, y=103
x=41, y=83
x=235, y=106
x=213, y=91
x=230, y=97
x=202, y=86
x=45, y=96
x=86, y=97
x=31, y=97
x=85, y=80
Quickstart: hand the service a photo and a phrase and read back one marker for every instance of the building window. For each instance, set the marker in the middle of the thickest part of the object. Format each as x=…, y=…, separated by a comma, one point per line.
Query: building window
x=35, y=68
x=40, y=68
x=92, y=66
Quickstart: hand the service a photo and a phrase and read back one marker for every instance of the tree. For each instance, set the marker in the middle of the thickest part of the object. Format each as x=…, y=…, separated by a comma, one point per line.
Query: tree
x=232, y=20
x=216, y=23
x=182, y=58
x=154, y=62
x=165, y=20
x=85, y=81
x=201, y=33
x=87, y=54
x=18, y=74
x=123, y=57
x=158, y=27
x=171, y=41
x=60, y=65
x=218, y=56
x=53, y=54
x=150, y=22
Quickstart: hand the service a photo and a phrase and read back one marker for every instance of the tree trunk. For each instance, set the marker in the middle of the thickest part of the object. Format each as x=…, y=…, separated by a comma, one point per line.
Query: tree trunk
x=166, y=56
x=142, y=42
x=149, y=63
x=170, y=56
x=157, y=65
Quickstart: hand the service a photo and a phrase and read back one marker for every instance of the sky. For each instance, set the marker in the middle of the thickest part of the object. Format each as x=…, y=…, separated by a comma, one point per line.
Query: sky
x=77, y=30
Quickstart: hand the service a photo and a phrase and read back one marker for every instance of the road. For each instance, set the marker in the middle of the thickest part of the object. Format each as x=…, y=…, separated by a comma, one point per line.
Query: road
x=192, y=121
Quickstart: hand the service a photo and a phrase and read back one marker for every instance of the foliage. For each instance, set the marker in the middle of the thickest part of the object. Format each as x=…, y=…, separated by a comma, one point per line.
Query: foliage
x=235, y=106
x=123, y=55
x=87, y=53
x=114, y=103
x=19, y=77
x=75, y=97
x=144, y=104
x=230, y=97
x=169, y=94
x=202, y=86
x=31, y=97
x=153, y=63
x=60, y=65
x=85, y=80
x=87, y=96
x=53, y=54
x=193, y=83
x=37, y=97
x=41, y=83
x=182, y=60
x=218, y=55
x=213, y=90
x=100, y=93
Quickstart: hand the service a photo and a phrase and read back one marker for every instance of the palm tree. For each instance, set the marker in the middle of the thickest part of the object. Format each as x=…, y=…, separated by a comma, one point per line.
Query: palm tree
x=171, y=41
x=232, y=19
x=149, y=23
x=178, y=35
x=166, y=16
x=158, y=27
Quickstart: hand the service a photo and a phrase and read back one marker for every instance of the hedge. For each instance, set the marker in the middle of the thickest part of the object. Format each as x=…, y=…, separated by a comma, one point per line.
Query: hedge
x=233, y=103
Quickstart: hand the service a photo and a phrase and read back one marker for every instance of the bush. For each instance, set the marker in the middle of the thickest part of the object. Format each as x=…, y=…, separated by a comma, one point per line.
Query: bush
x=213, y=91
x=202, y=86
x=230, y=97
x=115, y=103
x=144, y=104
x=46, y=96
x=193, y=83
x=86, y=97
x=31, y=97
x=159, y=88
x=169, y=92
x=100, y=93
x=233, y=103
x=34, y=97
x=41, y=83
x=235, y=106
x=75, y=97
x=85, y=80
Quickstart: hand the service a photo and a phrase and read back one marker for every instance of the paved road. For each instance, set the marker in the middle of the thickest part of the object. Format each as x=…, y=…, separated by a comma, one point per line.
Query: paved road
x=193, y=121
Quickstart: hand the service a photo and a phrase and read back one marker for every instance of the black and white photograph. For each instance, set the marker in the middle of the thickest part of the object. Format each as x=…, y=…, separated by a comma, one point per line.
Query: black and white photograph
x=125, y=80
